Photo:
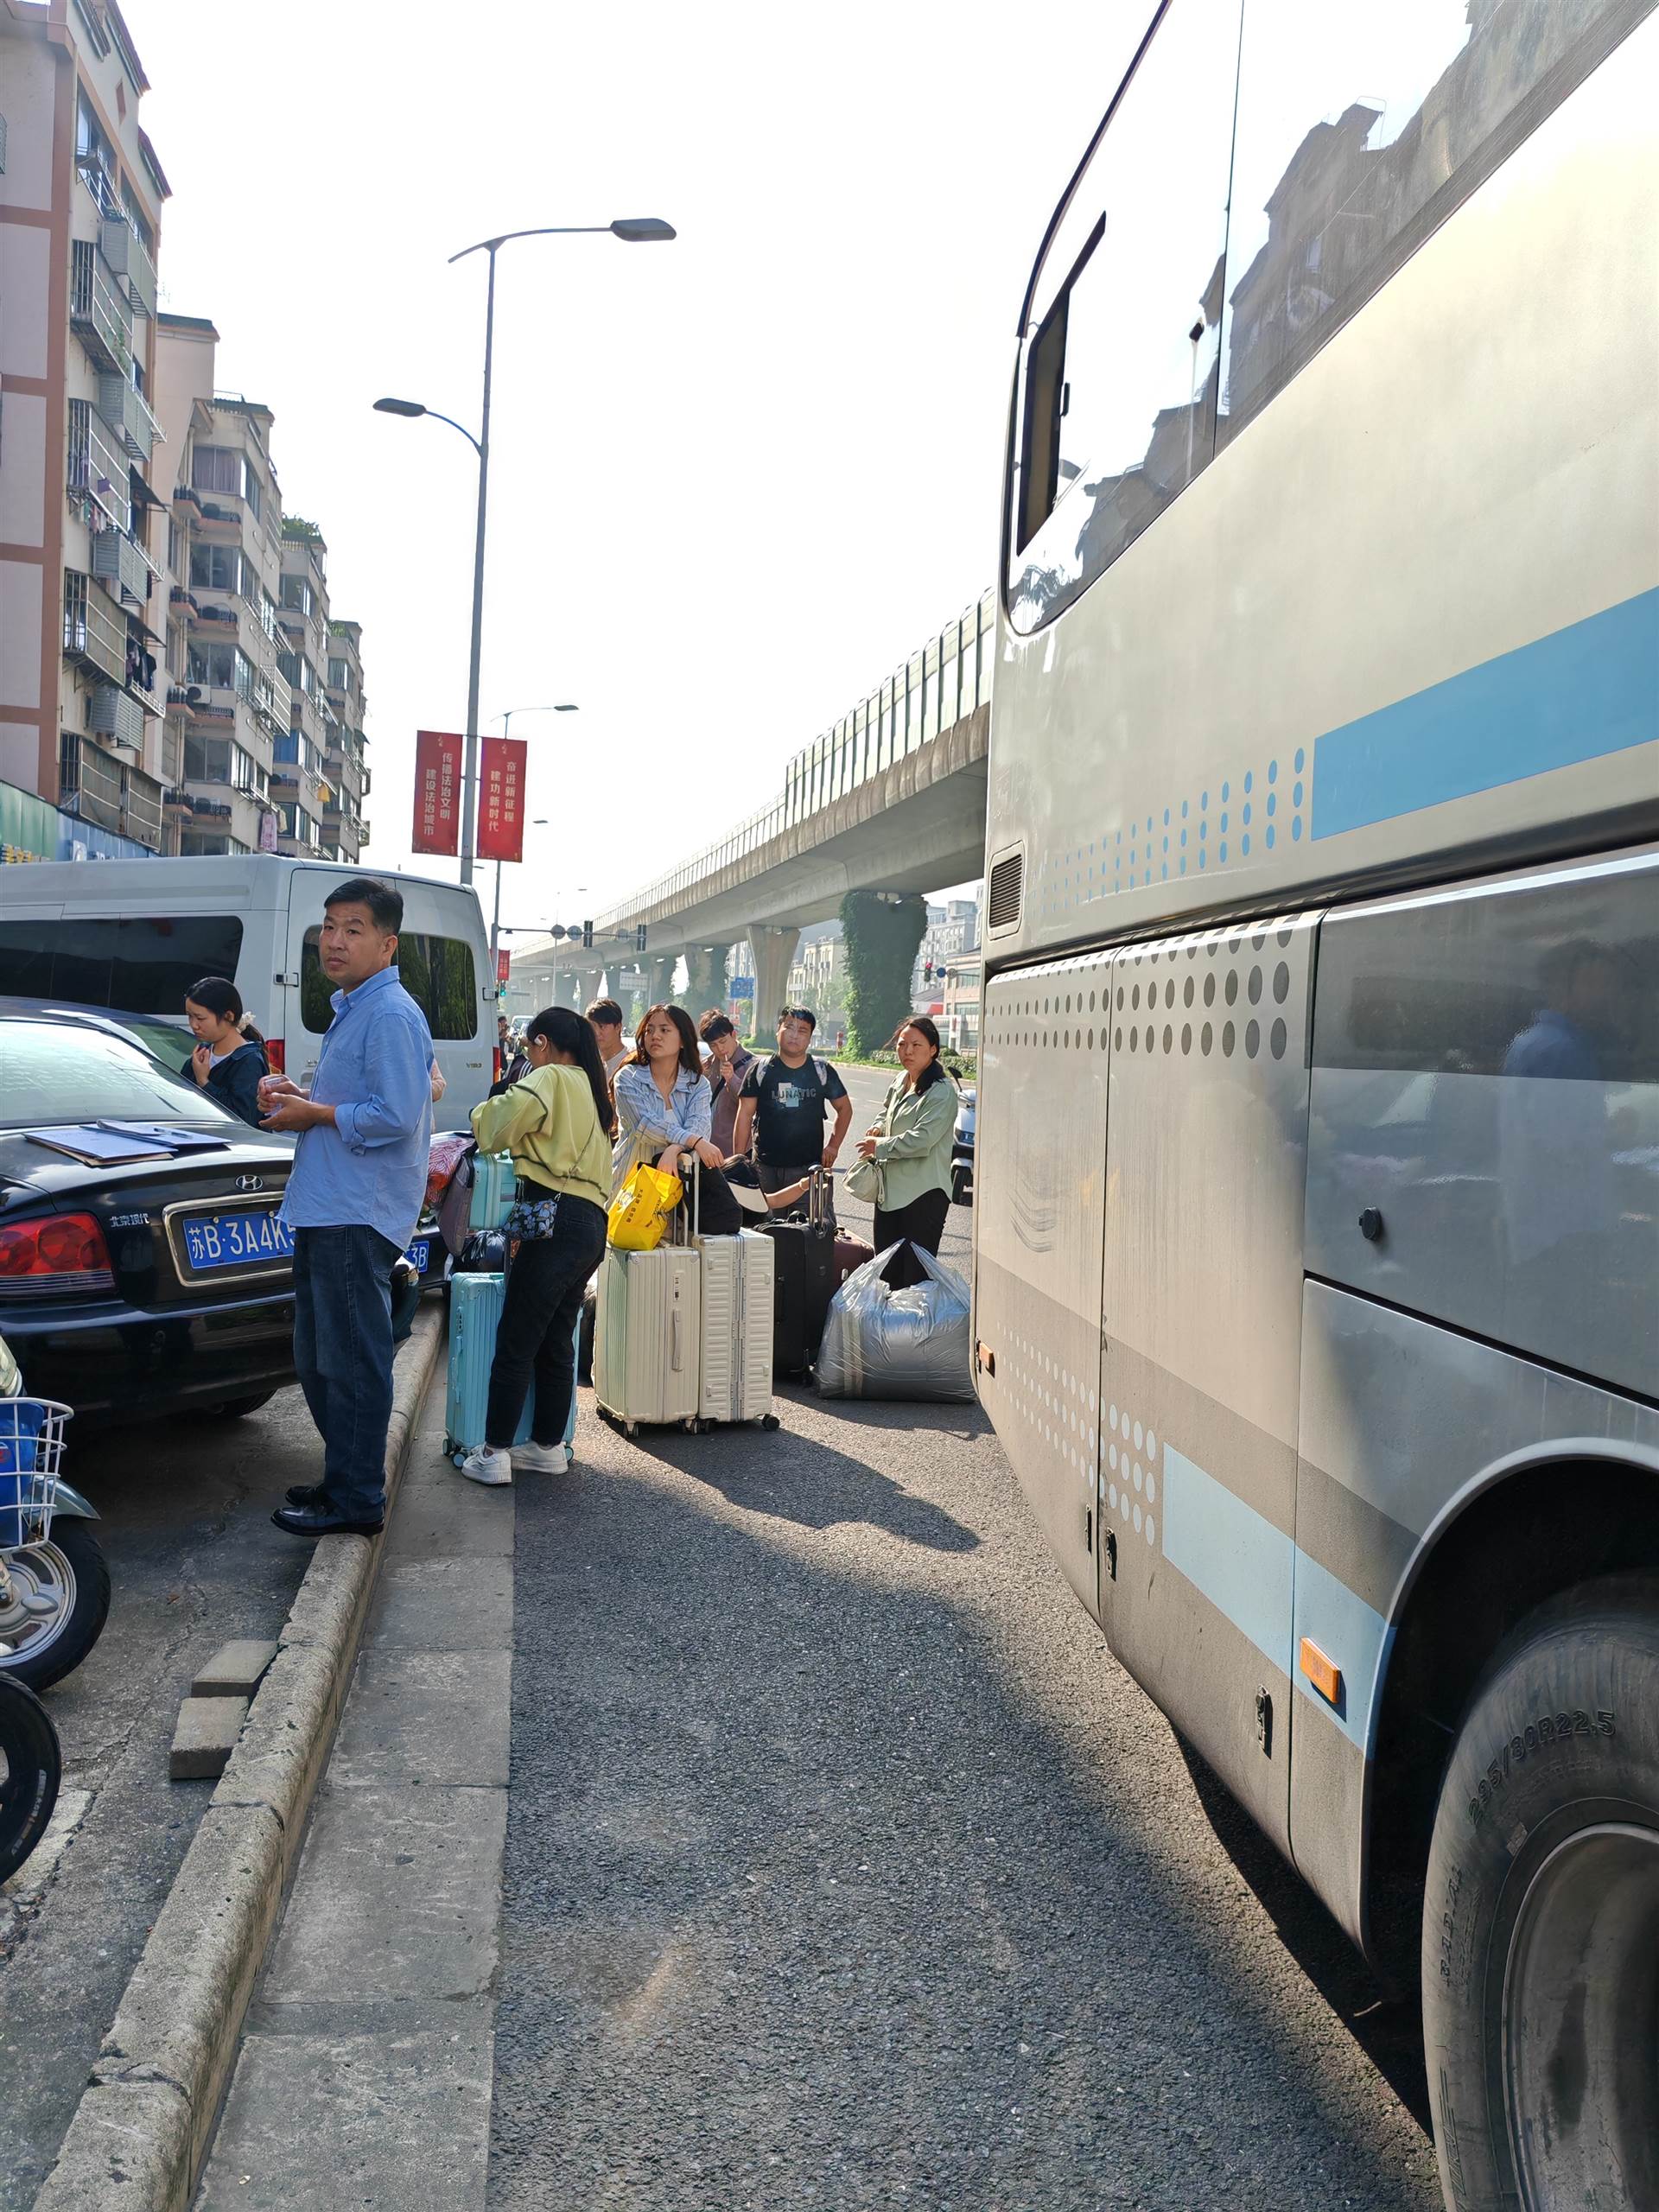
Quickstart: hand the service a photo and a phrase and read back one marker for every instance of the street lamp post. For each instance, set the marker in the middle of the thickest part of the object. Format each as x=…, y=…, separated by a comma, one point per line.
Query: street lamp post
x=565, y=707
x=632, y=229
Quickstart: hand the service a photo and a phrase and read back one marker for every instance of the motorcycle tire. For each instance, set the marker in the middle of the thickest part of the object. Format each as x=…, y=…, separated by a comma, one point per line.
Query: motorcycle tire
x=31, y=1767
x=72, y=1562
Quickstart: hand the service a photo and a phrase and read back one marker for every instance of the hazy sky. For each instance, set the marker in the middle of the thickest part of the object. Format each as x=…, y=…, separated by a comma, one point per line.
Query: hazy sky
x=736, y=480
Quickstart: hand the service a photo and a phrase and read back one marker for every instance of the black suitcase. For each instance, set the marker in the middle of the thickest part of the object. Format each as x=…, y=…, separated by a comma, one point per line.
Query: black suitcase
x=804, y=1281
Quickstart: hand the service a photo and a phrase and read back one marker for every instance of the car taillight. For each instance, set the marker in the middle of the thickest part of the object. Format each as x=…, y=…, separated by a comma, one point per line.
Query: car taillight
x=276, y=1055
x=65, y=1253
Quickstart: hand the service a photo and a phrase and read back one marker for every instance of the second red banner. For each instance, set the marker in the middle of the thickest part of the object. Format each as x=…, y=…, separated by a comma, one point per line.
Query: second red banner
x=501, y=799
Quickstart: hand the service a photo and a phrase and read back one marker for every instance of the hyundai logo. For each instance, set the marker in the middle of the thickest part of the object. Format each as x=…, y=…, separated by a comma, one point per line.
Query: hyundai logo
x=250, y=1182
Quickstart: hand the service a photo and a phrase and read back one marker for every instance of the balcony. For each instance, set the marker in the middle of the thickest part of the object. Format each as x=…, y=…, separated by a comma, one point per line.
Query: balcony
x=101, y=187
x=219, y=808
x=122, y=405
x=121, y=560
x=94, y=630
x=219, y=710
x=220, y=621
x=181, y=595
x=96, y=471
x=186, y=495
x=141, y=808
x=127, y=254
x=179, y=805
x=97, y=315
x=116, y=716
x=218, y=522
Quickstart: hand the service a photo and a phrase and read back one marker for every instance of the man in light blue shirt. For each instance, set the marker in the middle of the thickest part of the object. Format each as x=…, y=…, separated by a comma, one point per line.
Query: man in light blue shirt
x=353, y=1201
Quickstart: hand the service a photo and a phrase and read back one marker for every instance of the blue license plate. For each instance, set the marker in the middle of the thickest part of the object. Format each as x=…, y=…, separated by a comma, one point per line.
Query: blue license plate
x=236, y=1240
x=418, y=1254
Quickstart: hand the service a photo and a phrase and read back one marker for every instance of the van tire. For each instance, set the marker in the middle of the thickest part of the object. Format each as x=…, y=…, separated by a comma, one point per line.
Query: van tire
x=1541, y=1921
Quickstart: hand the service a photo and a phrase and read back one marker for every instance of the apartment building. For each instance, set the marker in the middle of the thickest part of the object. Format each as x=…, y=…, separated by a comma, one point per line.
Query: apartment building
x=226, y=702
x=322, y=776
x=83, y=597
x=347, y=768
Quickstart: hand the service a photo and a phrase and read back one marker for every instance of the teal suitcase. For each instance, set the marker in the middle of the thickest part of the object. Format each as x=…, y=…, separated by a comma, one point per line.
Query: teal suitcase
x=476, y=1303
x=495, y=1186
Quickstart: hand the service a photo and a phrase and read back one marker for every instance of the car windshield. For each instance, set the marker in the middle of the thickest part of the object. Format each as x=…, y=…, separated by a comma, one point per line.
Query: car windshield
x=55, y=1072
x=169, y=1041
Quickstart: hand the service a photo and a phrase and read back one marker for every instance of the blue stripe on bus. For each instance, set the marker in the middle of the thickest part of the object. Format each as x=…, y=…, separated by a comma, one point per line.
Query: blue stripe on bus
x=1272, y=1593
x=1243, y=1565
x=1576, y=695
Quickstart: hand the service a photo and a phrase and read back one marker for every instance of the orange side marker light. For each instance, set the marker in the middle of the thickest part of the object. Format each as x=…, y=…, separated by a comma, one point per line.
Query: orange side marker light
x=1324, y=1674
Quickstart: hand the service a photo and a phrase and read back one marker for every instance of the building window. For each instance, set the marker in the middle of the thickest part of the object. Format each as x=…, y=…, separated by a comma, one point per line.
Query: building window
x=297, y=594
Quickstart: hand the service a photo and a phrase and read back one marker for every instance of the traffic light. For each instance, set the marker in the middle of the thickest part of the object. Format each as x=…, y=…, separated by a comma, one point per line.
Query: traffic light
x=927, y=971
x=639, y=936
x=587, y=936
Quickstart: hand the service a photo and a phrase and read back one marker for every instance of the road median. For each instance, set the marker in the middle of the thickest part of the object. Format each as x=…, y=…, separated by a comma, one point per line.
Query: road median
x=141, y=2130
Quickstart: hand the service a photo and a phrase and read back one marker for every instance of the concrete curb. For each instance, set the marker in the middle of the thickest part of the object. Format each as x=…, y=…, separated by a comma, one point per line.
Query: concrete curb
x=140, y=2133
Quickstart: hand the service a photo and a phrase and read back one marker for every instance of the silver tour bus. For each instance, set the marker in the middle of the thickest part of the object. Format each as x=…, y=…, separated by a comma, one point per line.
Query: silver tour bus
x=1317, y=1266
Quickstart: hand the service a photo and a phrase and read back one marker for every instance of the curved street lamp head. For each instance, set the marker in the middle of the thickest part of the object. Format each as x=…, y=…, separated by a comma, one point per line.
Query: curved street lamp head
x=398, y=407
x=643, y=230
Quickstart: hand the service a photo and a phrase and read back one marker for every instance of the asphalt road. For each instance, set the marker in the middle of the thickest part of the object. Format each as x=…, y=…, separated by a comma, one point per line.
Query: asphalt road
x=845, y=1867
x=193, y=1561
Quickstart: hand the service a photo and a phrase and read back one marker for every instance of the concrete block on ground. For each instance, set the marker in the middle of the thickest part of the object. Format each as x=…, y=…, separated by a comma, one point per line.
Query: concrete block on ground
x=395, y=2120
x=396, y=1896
x=205, y=1738
x=235, y=1669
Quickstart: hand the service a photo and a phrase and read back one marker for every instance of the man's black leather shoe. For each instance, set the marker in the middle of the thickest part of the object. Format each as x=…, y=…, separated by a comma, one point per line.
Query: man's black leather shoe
x=307, y=1494
x=321, y=1521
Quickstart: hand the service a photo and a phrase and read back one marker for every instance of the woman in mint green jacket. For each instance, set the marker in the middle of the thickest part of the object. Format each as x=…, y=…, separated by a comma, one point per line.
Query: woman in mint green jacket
x=911, y=1145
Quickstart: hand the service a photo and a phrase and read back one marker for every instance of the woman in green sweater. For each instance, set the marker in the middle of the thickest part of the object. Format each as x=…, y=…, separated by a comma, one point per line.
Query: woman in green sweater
x=911, y=1145
x=557, y=1122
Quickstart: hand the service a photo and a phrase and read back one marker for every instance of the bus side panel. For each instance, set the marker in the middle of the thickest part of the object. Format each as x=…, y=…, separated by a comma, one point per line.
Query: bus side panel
x=1206, y=1160
x=1401, y=1423
x=1041, y=1144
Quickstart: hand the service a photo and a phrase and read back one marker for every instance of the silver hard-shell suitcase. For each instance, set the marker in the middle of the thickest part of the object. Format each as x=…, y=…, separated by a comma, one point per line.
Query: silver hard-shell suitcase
x=647, y=1335
x=737, y=1295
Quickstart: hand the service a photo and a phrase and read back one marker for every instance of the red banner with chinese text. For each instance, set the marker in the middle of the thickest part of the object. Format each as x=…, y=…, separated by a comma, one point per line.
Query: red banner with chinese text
x=501, y=799
x=437, y=792
x=503, y=967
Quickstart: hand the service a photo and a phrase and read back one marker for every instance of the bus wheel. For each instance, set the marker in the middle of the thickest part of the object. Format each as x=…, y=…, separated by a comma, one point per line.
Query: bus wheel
x=1540, y=1922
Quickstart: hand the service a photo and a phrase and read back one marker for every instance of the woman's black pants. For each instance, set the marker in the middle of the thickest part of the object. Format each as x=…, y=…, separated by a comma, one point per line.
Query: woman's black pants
x=922, y=1222
x=539, y=1322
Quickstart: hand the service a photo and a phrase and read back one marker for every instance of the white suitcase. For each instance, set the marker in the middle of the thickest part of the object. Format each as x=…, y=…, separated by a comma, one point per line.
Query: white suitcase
x=737, y=1296
x=646, y=1336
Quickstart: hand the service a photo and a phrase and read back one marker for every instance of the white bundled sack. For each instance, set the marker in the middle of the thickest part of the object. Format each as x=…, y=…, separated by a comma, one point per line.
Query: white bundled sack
x=883, y=1342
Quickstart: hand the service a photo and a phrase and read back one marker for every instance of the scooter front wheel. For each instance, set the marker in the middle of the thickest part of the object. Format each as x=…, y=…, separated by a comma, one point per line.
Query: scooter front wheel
x=59, y=1601
x=31, y=1766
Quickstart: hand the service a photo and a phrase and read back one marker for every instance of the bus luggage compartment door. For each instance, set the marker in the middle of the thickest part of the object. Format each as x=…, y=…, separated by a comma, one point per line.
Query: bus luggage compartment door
x=1206, y=1158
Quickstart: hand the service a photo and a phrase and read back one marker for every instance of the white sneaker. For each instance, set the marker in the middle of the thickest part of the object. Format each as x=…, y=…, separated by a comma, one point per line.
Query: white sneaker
x=541, y=1458
x=485, y=1465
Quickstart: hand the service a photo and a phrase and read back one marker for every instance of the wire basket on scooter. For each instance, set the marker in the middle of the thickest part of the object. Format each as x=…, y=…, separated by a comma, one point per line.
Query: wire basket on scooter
x=31, y=1460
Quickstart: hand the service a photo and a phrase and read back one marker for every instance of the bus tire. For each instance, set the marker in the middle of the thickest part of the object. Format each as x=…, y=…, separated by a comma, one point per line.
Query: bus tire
x=1541, y=1920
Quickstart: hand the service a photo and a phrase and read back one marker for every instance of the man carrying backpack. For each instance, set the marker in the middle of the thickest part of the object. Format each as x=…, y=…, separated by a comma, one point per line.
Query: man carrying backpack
x=782, y=1106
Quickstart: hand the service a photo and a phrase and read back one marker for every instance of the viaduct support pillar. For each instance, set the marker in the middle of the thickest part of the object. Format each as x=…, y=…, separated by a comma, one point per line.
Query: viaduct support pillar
x=659, y=981
x=774, y=955
x=881, y=932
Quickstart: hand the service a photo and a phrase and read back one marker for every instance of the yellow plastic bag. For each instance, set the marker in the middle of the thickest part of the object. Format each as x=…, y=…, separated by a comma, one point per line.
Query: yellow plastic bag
x=639, y=1211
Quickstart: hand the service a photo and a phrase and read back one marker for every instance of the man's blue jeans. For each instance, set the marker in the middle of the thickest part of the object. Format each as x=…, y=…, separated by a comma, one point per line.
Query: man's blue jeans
x=343, y=1350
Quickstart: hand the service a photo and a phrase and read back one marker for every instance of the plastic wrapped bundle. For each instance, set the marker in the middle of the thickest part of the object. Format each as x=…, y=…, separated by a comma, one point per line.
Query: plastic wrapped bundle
x=883, y=1342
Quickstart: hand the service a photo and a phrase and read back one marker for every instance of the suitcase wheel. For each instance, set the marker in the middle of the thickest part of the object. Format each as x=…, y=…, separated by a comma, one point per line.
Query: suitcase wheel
x=769, y=1420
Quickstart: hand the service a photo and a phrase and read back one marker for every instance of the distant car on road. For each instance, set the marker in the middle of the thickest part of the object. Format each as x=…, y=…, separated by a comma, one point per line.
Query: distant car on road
x=144, y=1286
x=962, y=1149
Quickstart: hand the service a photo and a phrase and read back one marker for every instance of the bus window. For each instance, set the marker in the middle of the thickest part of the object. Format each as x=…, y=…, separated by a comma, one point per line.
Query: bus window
x=142, y=966
x=1118, y=412
x=1359, y=130
x=436, y=971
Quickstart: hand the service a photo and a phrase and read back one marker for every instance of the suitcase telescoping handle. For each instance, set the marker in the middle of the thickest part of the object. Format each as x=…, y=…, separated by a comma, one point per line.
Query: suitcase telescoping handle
x=691, y=1180
x=816, y=1178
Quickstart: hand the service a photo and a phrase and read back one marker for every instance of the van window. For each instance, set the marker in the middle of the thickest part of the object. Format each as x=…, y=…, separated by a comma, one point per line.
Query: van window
x=143, y=967
x=437, y=972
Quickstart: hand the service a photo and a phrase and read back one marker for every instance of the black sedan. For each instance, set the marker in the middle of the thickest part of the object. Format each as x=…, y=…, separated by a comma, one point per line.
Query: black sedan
x=143, y=1270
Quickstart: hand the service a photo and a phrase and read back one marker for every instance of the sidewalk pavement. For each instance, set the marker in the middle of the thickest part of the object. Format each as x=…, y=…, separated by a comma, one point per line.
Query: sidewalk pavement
x=365, y=2072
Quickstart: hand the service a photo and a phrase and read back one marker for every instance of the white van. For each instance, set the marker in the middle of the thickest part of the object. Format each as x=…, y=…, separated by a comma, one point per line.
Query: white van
x=134, y=935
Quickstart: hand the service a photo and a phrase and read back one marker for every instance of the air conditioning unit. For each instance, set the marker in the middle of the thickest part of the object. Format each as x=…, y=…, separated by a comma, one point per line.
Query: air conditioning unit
x=117, y=716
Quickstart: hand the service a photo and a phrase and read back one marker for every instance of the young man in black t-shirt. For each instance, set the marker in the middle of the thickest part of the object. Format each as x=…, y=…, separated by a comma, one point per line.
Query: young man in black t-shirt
x=782, y=1107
